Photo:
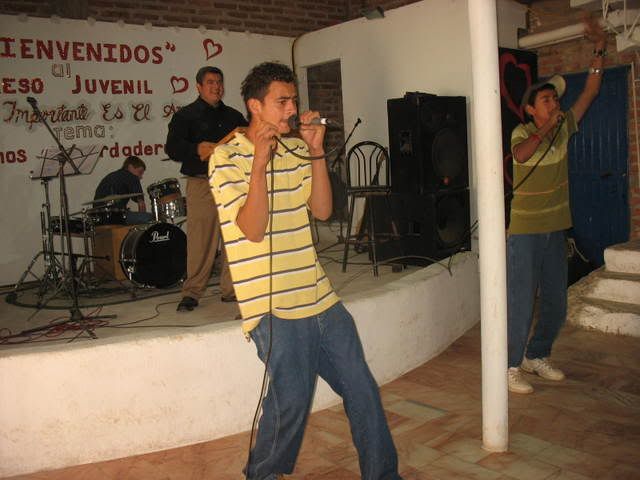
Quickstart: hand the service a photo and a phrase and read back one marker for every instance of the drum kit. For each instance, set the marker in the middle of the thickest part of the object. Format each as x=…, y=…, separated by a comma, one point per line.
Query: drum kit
x=151, y=255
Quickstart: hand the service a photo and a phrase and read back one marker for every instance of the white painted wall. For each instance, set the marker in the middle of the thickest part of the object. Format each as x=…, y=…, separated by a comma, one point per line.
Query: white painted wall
x=422, y=47
x=235, y=53
x=117, y=397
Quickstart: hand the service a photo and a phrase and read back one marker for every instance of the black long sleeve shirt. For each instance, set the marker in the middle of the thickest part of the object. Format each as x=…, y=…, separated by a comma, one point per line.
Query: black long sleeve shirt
x=195, y=123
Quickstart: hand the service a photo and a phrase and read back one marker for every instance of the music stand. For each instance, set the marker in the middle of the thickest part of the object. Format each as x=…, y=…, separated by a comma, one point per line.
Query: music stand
x=61, y=162
x=84, y=160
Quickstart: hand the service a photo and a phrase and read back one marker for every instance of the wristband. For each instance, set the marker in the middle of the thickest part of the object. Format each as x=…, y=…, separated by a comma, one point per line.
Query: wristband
x=595, y=71
x=600, y=52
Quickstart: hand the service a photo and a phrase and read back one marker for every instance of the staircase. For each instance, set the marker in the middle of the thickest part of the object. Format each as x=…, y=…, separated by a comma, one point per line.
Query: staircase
x=608, y=299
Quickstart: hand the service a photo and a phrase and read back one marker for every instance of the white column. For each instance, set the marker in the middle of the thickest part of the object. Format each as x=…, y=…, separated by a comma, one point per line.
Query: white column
x=487, y=147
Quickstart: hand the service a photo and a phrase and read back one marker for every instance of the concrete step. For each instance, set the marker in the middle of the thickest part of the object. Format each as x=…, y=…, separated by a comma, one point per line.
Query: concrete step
x=613, y=286
x=617, y=318
x=623, y=257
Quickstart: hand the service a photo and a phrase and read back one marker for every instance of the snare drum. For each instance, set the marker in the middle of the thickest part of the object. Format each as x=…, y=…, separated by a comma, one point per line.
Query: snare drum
x=154, y=255
x=107, y=216
x=76, y=225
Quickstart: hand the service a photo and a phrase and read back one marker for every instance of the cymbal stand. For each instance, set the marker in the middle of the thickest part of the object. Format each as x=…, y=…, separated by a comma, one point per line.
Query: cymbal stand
x=155, y=206
x=75, y=315
x=54, y=269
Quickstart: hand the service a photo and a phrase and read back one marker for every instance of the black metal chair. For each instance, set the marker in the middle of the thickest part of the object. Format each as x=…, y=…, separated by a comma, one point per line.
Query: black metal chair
x=367, y=167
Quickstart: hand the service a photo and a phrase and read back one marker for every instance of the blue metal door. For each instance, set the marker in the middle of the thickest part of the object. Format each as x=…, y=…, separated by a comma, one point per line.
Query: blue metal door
x=598, y=163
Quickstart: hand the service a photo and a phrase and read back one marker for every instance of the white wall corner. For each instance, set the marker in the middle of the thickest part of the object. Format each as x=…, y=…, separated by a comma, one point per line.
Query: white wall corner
x=512, y=16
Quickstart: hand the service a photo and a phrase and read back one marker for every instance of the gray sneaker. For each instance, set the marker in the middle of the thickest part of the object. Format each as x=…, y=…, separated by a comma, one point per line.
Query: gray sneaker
x=516, y=383
x=542, y=367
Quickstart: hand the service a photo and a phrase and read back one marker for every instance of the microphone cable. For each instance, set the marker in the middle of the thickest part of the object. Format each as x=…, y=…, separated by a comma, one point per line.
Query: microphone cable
x=551, y=142
x=509, y=195
x=469, y=231
x=265, y=375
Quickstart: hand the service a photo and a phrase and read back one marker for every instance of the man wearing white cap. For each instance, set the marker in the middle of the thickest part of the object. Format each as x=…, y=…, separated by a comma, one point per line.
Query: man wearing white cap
x=540, y=217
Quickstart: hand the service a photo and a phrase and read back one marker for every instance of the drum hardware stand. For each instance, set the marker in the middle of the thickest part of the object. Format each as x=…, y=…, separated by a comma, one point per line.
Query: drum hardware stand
x=55, y=277
x=54, y=269
x=75, y=315
x=155, y=208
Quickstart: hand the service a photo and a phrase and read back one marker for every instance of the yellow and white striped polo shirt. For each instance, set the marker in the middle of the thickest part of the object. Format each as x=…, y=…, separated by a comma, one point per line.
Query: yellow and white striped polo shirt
x=299, y=287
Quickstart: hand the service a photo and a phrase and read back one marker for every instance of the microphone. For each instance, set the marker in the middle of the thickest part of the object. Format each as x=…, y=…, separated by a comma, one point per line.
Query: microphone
x=294, y=122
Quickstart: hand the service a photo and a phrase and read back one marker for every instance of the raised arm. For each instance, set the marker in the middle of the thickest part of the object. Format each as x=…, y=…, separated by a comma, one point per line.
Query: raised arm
x=594, y=32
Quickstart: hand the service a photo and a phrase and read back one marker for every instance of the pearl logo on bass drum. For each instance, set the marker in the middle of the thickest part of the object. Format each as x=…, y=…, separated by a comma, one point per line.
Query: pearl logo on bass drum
x=156, y=237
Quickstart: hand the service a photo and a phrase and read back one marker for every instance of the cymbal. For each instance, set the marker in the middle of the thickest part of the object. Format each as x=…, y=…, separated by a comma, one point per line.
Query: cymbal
x=111, y=198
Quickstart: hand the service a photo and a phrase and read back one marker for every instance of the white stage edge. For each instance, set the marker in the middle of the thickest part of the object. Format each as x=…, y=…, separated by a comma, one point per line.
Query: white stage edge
x=123, y=396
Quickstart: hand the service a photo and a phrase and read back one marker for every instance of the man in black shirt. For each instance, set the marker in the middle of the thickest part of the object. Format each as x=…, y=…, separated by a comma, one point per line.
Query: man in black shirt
x=124, y=181
x=193, y=133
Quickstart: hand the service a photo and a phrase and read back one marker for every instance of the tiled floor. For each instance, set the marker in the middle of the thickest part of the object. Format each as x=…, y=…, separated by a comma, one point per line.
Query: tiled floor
x=585, y=427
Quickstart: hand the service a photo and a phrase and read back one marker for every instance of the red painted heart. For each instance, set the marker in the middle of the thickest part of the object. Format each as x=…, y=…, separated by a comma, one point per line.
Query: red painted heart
x=211, y=48
x=179, y=84
x=507, y=59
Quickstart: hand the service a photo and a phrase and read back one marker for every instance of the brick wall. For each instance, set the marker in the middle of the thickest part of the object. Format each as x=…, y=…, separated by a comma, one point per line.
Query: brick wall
x=272, y=17
x=288, y=18
x=575, y=56
x=325, y=95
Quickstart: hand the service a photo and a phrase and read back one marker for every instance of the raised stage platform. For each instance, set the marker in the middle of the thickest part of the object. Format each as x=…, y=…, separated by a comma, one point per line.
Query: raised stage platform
x=156, y=379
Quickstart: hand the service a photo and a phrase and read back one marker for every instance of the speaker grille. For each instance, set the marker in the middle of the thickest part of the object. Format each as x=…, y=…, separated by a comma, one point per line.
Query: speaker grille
x=451, y=221
x=447, y=156
x=428, y=143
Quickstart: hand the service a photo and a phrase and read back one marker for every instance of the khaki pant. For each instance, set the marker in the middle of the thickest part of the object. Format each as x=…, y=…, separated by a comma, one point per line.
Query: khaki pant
x=203, y=238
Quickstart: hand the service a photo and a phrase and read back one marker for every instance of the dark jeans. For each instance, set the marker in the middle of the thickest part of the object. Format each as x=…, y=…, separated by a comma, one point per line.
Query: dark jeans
x=535, y=260
x=327, y=345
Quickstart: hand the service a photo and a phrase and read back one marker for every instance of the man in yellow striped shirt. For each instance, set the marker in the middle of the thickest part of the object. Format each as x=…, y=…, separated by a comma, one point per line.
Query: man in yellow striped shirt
x=263, y=192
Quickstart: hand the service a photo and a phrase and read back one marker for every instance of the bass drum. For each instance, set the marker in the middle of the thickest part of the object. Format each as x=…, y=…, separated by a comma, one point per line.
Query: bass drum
x=154, y=255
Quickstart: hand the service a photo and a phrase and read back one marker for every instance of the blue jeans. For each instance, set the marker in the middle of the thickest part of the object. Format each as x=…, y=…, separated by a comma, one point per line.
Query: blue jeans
x=327, y=345
x=535, y=260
